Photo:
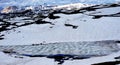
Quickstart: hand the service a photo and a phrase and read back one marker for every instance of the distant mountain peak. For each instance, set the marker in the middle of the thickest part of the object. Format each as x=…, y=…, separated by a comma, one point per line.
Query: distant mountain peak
x=51, y=2
x=9, y=9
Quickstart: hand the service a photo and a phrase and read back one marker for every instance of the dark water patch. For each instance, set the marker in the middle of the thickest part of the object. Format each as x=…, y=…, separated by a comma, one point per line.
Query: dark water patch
x=29, y=55
x=60, y=58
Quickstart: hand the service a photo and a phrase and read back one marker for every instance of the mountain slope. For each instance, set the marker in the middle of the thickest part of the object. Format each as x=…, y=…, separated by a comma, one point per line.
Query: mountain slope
x=51, y=2
x=93, y=23
x=88, y=26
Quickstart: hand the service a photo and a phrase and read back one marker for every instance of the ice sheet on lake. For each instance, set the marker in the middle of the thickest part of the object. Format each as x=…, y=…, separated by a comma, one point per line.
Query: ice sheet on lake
x=86, y=48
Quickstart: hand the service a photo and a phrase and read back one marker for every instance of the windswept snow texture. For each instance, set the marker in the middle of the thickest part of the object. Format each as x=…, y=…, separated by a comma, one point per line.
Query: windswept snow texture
x=82, y=49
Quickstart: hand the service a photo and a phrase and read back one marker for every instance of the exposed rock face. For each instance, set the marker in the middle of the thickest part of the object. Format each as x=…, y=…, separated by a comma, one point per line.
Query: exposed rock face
x=9, y=9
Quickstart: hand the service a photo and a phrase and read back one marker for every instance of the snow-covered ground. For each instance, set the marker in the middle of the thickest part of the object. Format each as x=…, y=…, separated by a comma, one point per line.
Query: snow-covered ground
x=89, y=29
x=105, y=28
x=10, y=60
x=7, y=60
x=72, y=6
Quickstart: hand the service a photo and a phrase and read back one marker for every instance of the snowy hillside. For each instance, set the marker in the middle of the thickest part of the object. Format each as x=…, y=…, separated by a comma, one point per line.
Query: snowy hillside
x=51, y=2
x=71, y=23
x=87, y=25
